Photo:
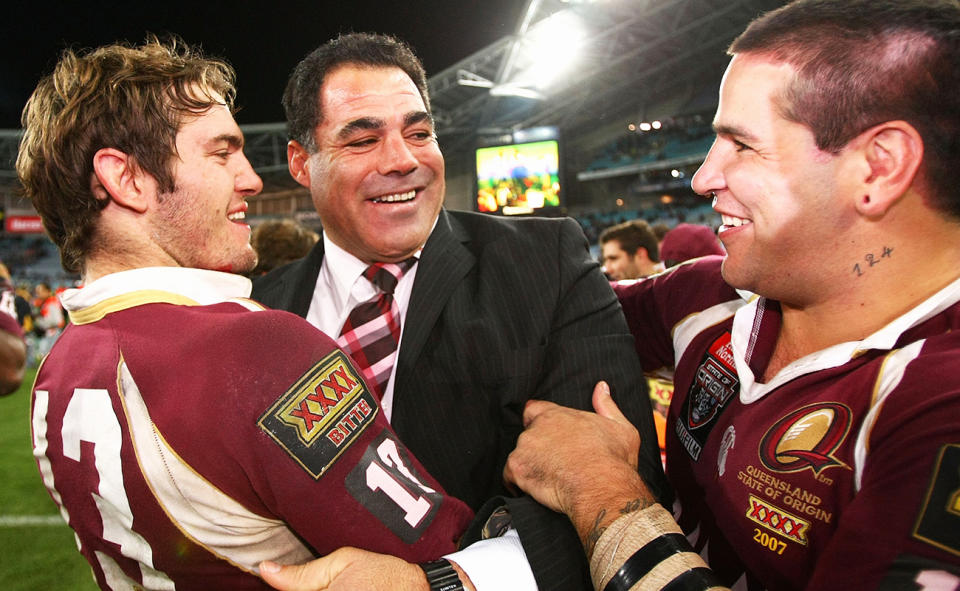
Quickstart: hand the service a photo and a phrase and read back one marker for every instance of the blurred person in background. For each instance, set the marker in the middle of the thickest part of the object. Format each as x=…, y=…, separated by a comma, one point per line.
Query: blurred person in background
x=278, y=242
x=13, y=348
x=48, y=317
x=24, y=309
x=688, y=241
x=660, y=230
x=630, y=250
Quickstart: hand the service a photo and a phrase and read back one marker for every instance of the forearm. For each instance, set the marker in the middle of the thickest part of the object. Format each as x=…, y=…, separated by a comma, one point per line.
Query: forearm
x=597, y=504
x=13, y=356
x=645, y=549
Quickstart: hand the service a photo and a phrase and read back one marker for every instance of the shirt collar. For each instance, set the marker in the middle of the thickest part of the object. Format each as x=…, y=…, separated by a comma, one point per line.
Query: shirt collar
x=176, y=285
x=343, y=269
x=752, y=340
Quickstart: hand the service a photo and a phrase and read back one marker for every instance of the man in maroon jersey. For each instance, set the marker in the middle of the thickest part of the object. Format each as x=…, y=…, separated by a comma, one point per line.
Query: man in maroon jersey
x=814, y=433
x=185, y=432
x=13, y=349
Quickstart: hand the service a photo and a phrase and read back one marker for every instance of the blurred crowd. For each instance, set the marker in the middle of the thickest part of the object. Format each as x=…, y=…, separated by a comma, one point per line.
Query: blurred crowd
x=39, y=313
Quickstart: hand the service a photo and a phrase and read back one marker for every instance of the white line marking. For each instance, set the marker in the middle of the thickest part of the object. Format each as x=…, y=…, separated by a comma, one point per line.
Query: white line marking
x=30, y=520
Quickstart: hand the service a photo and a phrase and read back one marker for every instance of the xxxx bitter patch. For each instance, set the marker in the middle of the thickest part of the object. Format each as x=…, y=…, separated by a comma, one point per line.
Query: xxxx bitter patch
x=321, y=414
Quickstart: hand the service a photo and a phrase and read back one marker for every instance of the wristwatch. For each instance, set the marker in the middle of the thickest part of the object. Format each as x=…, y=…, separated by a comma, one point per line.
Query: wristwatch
x=441, y=575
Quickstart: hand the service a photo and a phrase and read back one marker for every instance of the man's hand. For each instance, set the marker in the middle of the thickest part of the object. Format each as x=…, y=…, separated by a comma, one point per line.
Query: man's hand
x=346, y=569
x=580, y=463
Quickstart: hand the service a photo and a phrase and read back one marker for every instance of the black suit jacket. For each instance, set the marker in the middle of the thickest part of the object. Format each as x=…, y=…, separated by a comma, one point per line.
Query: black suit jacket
x=502, y=310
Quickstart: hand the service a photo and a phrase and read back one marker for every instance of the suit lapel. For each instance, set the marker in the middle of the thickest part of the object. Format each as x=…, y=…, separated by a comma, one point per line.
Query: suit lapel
x=444, y=263
x=294, y=289
x=307, y=280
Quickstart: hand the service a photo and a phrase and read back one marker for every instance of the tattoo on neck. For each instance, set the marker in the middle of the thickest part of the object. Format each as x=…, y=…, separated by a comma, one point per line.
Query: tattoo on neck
x=870, y=259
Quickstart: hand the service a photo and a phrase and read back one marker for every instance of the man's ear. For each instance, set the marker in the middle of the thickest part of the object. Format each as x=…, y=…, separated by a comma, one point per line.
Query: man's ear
x=297, y=157
x=118, y=178
x=893, y=152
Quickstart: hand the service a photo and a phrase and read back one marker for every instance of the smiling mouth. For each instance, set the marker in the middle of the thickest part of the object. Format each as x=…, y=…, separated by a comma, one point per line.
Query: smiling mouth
x=733, y=222
x=396, y=197
x=237, y=217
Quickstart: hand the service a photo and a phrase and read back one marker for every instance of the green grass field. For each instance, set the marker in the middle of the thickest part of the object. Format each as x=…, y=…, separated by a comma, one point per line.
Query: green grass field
x=31, y=556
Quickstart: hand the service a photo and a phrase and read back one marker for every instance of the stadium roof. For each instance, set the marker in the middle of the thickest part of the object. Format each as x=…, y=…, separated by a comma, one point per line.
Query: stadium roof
x=631, y=53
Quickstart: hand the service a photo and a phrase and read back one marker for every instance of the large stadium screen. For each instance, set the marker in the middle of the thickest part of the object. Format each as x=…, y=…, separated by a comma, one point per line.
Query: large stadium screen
x=517, y=179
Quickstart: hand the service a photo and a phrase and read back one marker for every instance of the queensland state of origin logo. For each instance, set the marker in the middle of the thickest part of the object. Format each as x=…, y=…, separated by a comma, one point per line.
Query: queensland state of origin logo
x=807, y=438
x=713, y=386
x=715, y=383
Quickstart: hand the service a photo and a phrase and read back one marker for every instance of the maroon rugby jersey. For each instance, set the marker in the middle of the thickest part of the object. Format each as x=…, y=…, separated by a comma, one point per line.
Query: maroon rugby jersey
x=188, y=434
x=842, y=472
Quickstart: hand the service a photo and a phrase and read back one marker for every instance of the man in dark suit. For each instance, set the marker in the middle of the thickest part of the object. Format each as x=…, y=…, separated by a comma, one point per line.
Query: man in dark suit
x=494, y=312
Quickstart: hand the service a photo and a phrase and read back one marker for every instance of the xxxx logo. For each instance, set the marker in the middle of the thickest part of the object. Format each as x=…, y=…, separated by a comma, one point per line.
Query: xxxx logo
x=321, y=414
x=777, y=520
x=806, y=438
x=320, y=397
x=323, y=394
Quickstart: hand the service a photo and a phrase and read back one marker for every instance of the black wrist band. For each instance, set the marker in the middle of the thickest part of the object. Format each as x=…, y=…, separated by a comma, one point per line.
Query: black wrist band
x=643, y=560
x=441, y=575
x=695, y=578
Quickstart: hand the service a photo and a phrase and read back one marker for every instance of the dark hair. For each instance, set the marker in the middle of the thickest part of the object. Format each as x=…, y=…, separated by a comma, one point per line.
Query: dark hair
x=128, y=98
x=863, y=62
x=632, y=235
x=301, y=99
x=660, y=230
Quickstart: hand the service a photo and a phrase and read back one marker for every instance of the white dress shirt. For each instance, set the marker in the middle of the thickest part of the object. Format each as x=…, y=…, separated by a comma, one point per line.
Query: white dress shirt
x=341, y=286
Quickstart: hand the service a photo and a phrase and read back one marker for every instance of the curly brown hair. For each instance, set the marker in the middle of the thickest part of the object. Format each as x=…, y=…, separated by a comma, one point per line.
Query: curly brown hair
x=132, y=99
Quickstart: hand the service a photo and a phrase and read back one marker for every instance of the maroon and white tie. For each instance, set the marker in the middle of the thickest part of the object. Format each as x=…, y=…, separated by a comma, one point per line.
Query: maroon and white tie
x=371, y=332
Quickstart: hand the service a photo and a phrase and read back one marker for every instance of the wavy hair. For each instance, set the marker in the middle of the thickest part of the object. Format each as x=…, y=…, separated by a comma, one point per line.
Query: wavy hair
x=132, y=99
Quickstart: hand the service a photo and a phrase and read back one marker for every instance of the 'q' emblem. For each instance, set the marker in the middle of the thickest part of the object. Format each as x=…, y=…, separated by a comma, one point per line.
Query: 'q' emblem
x=806, y=438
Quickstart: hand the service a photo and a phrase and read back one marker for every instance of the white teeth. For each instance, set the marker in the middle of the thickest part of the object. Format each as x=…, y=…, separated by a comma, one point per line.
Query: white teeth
x=733, y=222
x=237, y=216
x=396, y=197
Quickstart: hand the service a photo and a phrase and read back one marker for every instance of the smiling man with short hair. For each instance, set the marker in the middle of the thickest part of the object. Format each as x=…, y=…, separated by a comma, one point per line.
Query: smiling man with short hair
x=487, y=313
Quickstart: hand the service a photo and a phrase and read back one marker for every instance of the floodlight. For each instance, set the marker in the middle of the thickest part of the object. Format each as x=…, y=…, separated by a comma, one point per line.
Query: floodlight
x=551, y=49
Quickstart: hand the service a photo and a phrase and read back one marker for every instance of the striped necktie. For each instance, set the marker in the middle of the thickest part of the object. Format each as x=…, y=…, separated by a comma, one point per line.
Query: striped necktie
x=371, y=332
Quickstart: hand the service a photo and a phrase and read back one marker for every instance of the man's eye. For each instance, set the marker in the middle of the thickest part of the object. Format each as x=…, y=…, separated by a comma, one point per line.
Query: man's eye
x=741, y=146
x=363, y=143
x=422, y=135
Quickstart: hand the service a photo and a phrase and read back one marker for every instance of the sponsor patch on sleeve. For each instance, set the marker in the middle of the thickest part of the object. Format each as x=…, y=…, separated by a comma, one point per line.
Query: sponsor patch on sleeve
x=939, y=521
x=321, y=414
